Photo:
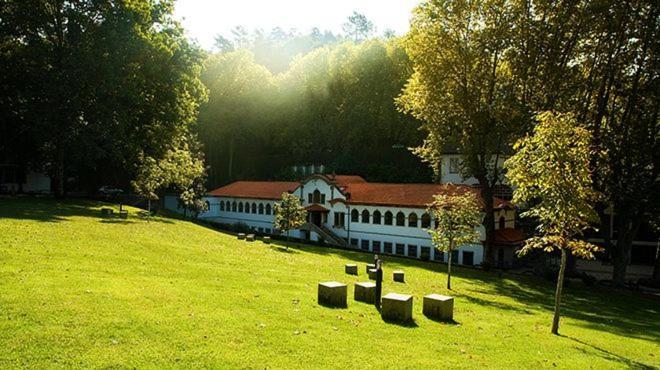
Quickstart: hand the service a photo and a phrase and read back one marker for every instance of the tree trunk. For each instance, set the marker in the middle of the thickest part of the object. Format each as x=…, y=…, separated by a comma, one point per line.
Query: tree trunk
x=59, y=173
x=489, y=225
x=656, y=267
x=449, y=269
x=626, y=230
x=560, y=285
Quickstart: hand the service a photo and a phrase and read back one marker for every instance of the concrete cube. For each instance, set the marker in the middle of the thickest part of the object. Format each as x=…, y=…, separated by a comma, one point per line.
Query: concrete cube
x=250, y=237
x=123, y=214
x=439, y=307
x=266, y=239
x=370, y=266
x=241, y=236
x=332, y=294
x=365, y=292
x=106, y=211
x=397, y=307
x=372, y=274
x=399, y=276
x=351, y=269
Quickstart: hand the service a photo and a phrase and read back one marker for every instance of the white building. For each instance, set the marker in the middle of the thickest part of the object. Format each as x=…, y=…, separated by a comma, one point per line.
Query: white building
x=350, y=212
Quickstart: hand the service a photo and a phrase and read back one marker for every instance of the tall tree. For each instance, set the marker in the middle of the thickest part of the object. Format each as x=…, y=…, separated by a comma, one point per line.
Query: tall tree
x=457, y=217
x=358, y=27
x=463, y=90
x=104, y=82
x=550, y=174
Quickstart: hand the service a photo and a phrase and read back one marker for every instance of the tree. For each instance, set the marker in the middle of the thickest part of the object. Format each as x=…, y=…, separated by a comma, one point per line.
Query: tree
x=101, y=83
x=181, y=169
x=456, y=218
x=463, y=90
x=289, y=214
x=358, y=27
x=222, y=44
x=550, y=173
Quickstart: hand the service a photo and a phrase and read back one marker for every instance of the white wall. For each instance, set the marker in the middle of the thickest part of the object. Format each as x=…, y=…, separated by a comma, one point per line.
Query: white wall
x=456, y=178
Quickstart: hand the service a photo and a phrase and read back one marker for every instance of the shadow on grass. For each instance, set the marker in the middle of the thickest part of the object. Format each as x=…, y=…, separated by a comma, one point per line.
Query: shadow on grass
x=117, y=221
x=46, y=210
x=608, y=355
x=451, y=322
x=405, y=324
x=283, y=249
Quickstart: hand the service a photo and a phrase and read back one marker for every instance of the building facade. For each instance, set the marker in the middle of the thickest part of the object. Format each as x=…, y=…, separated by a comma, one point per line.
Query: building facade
x=350, y=212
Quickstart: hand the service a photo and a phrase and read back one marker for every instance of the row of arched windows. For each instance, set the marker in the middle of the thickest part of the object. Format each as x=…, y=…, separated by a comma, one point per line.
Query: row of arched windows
x=376, y=218
x=246, y=207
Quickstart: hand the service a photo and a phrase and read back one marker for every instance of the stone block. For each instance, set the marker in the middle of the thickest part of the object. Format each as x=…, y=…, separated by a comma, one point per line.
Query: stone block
x=332, y=294
x=351, y=269
x=397, y=307
x=241, y=236
x=123, y=214
x=250, y=237
x=369, y=266
x=266, y=239
x=399, y=276
x=439, y=307
x=107, y=211
x=372, y=274
x=365, y=292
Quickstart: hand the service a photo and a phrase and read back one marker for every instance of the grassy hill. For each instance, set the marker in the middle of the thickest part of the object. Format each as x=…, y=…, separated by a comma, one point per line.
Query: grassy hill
x=78, y=290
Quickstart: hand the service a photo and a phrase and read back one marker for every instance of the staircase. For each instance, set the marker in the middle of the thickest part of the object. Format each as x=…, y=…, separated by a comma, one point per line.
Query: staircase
x=325, y=233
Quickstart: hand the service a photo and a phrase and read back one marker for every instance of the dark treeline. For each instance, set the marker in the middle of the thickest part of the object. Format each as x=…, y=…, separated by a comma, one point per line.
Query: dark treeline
x=333, y=105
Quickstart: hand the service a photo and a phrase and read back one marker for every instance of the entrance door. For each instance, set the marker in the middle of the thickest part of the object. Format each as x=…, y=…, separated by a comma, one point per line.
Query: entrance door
x=317, y=218
x=500, y=257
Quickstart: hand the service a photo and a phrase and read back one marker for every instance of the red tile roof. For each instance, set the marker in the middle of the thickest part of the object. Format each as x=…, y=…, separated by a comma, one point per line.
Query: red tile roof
x=316, y=207
x=508, y=236
x=357, y=190
x=255, y=189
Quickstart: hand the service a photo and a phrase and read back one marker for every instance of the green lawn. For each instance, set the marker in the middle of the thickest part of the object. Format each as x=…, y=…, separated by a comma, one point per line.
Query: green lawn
x=78, y=290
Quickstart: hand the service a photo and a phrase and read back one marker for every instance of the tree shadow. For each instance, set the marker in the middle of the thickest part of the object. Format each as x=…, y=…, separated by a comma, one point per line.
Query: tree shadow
x=608, y=355
x=47, y=209
x=406, y=324
x=117, y=221
x=282, y=249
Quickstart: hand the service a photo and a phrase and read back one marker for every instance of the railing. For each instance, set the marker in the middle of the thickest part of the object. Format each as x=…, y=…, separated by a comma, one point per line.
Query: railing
x=325, y=233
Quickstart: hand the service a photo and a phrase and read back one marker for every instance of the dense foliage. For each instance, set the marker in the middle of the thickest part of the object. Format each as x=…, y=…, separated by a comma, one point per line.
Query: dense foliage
x=89, y=88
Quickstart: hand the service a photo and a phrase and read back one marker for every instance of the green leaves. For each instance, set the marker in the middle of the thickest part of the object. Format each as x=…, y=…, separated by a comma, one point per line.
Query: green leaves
x=550, y=174
x=289, y=213
x=456, y=216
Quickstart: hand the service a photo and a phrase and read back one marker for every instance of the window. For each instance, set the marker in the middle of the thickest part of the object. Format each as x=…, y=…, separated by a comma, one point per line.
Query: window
x=254, y=207
x=412, y=219
x=376, y=246
x=400, y=219
x=339, y=219
x=375, y=218
x=365, y=217
x=439, y=256
x=240, y=207
x=267, y=231
x=468, y=258
x=387, y=248
x=400, y=249
x=310, y=198
x=364, y=245
x=354, y=242
x=388, y=218
x=261, y=208
x=425, y=254
x=454, y=256
x=208, y=206
x=222, y=206
x=268, y=209
x=227, y=206
x=502, y=222
x=412, y=250
x=247, y=207
x=233, y=206
x=426, y=220
x=261, y=229
x=454, y=165
x=317, y=196
x=322, y=198
x=355, y=215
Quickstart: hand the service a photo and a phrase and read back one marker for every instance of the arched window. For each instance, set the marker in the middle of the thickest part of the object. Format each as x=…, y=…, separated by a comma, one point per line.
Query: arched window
x=502, y=222
x=317, y=196
x=254, y=207
x=355, y=215
x=365, y=217
x=268, y=209
x=426, y=220
x=375, y=218
x=240, y=206
x=222, y=205
x=412, y=219
x=233, y=206
x=388, y=218
x=400, y=219
x=261, y=208
x=228, y=206
x=247, y=207
x=208, y=206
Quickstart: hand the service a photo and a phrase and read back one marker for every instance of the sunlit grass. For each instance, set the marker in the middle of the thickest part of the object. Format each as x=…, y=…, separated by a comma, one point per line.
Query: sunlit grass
x=78, y=290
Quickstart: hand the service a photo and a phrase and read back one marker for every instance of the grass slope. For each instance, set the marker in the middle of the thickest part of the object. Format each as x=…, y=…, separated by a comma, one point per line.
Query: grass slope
x=77, y=290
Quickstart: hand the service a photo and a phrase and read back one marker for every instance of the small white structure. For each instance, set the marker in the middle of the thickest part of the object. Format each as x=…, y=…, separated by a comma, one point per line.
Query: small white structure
x=348, y=211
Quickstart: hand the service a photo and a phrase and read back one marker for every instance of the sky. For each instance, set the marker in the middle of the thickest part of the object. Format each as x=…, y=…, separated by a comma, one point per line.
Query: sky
x=203, y=19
